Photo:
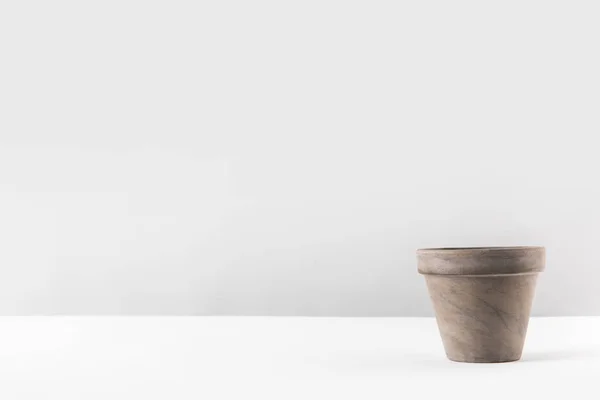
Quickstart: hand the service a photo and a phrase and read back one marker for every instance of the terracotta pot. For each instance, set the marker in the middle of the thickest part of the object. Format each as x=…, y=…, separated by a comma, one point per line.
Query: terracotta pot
x=482, y=298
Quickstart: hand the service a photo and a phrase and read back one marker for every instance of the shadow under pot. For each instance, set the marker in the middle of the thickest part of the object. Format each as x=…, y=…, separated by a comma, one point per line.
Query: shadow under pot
x=482, y=298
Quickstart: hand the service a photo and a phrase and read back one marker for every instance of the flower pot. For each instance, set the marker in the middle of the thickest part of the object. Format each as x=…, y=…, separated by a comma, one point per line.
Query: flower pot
x=482, y=298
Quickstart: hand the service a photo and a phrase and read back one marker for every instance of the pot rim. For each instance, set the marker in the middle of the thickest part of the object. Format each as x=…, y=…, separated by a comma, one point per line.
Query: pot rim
x=476, y=249
x=478, y=261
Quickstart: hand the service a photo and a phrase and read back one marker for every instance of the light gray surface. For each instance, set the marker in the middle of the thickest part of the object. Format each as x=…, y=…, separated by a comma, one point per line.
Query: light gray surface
x=287, y=158
x=225, y=358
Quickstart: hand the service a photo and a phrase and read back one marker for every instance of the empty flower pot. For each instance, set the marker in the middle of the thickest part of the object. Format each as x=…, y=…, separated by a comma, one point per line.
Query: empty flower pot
x=482, y=298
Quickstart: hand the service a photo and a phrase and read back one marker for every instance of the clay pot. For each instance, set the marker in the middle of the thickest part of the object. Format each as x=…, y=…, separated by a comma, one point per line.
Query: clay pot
x=482, y=298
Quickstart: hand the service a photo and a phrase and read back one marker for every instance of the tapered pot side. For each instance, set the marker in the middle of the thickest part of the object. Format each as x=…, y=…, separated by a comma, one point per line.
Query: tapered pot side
x=482, y=298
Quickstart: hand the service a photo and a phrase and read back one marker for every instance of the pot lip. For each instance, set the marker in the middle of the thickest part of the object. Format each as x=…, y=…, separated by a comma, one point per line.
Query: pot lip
x=476, y=261
x=483, y=249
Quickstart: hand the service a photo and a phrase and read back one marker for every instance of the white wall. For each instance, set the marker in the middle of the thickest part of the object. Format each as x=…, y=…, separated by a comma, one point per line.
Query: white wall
x=287, y=158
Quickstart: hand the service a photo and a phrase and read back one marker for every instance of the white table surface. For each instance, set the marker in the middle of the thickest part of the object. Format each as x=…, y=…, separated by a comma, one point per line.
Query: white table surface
x=282, y=358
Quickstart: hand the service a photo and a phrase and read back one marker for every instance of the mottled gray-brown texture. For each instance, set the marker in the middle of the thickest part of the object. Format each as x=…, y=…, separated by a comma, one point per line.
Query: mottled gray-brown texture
x=482, y=298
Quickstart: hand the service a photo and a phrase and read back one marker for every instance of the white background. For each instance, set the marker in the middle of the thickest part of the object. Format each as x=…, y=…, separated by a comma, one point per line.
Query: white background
x=287, y=158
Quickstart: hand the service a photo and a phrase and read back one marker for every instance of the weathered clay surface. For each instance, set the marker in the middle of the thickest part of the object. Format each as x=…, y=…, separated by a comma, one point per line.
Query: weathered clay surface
x=482, y=299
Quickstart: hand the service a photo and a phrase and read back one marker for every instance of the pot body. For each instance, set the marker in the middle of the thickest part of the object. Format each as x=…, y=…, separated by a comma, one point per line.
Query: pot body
x=482, y=299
